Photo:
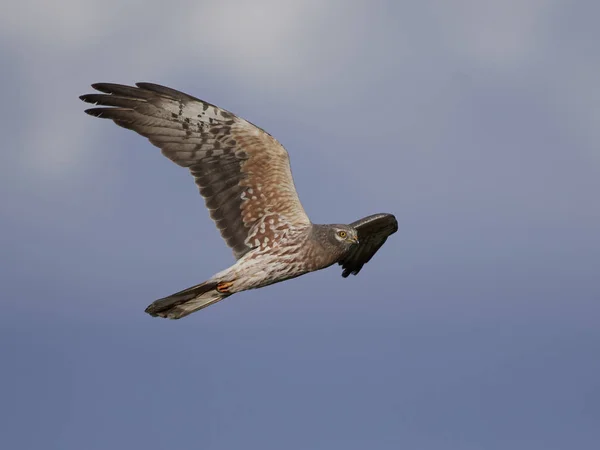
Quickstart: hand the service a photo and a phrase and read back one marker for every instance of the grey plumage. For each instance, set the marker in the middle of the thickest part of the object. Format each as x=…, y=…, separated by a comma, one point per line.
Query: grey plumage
x=244, y=175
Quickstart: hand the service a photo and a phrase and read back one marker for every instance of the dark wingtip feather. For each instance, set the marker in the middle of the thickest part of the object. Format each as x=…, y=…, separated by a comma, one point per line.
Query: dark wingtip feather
x=347, y=272
x=96, y=112
x=123, y=90
x=95, y=99
x=160, y=89
x=166, y=91
x=112, y=100
x=121, y=114
x=109, y=88
x=141, y=91
x=90, y=98
x=373, y=232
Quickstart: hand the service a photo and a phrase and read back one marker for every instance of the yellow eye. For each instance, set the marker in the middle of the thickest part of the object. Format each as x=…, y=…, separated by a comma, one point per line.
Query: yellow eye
x=342, y=234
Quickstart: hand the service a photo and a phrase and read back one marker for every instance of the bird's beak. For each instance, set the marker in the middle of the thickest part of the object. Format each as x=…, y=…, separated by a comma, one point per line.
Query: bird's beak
x=354, y=240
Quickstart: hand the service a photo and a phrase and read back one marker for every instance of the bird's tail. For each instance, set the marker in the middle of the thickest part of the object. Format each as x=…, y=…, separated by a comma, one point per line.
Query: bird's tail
x=187, y=301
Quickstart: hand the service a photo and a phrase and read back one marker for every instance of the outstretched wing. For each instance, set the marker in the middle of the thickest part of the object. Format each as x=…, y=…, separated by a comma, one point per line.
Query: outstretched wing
x=372, y=234
x=242, y=172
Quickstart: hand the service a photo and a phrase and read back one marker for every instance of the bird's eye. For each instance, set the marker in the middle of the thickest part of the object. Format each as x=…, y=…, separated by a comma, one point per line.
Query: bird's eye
x=342, y=234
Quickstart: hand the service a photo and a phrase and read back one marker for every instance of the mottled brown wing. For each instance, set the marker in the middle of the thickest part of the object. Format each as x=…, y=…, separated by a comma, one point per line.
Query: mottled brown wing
x=373, y=231
x=242, y=172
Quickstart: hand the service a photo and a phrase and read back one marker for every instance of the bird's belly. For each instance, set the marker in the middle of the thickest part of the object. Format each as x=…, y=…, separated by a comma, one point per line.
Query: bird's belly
x=264, y=270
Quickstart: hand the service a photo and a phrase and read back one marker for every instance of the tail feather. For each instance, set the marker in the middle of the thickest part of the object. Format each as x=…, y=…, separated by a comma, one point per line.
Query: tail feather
x=187, y=301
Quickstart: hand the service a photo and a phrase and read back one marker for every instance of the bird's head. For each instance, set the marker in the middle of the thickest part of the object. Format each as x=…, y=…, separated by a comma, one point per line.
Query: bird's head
x=336, y=240
x=344, y=235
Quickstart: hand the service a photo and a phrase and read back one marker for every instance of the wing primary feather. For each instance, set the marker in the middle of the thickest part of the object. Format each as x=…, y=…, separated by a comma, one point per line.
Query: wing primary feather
x=168, y=92
x=122, y=90
x=112, y=100
x=372, y=231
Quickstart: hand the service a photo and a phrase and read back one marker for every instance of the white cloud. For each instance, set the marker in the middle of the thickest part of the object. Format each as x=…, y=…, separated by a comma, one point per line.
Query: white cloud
x=267, y=44
x=287, y=51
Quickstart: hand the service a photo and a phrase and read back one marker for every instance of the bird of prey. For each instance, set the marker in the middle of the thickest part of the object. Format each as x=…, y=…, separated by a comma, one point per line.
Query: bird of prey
x=244, y=175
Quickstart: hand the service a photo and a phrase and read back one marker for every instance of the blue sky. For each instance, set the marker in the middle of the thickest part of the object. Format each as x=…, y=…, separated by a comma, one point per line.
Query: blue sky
x=476, y=326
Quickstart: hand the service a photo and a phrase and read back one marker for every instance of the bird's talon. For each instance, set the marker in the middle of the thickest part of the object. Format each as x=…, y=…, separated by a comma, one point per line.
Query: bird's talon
x=223, y=287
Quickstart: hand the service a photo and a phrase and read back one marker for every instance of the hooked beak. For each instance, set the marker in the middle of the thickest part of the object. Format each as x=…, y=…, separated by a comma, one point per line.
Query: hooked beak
x=354, y=240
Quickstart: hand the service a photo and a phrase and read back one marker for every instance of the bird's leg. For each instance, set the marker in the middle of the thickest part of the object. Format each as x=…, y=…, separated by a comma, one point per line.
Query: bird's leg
x=223, y=287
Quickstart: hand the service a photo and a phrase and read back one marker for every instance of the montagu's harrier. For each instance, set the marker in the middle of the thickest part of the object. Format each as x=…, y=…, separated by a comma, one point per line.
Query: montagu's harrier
x=244, y=175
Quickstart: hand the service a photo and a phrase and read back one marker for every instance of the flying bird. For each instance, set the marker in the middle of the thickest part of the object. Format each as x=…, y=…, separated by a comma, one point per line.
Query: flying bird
x=244, y=175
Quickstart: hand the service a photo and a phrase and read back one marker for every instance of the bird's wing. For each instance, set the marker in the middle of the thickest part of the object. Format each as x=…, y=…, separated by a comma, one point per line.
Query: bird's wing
x=372, y=234
x=242, y=172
